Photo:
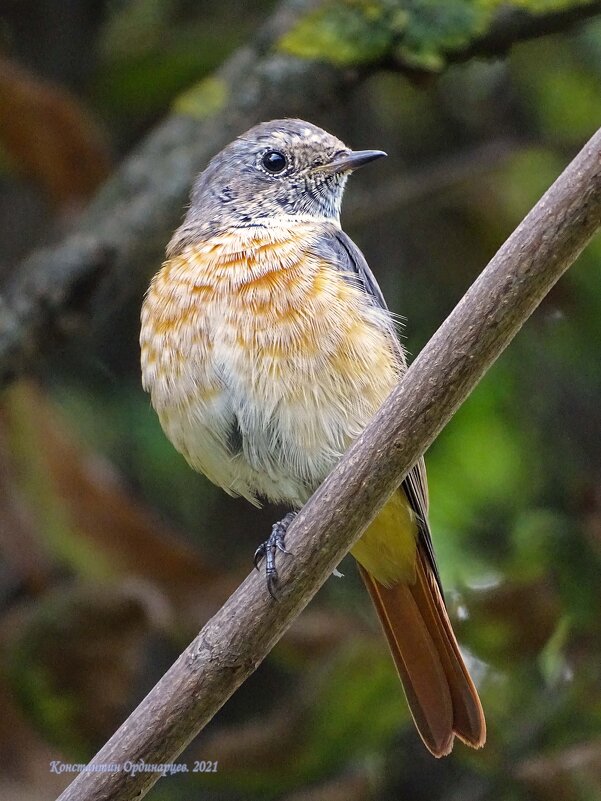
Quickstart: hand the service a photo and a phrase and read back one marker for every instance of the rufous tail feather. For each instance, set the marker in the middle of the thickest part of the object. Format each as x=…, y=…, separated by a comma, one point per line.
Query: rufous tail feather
x=440, y=693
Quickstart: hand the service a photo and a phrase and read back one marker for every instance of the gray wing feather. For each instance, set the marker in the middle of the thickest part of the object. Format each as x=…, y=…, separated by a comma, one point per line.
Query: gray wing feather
x=415, y=485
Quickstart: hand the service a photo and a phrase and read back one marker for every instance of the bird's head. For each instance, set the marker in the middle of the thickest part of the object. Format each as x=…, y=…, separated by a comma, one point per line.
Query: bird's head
x=287, y=168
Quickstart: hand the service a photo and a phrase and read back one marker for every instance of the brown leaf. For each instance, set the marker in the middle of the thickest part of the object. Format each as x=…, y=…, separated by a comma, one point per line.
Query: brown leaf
x=94, y=511
x=50, y=136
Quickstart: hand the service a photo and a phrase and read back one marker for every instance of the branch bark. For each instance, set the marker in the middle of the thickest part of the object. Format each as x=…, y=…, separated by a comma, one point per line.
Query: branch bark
x=241, y=634
x=57, y=290
x=517, y=25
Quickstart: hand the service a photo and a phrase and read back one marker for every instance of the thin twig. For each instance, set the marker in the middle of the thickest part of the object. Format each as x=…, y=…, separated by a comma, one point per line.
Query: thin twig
x=235, y=641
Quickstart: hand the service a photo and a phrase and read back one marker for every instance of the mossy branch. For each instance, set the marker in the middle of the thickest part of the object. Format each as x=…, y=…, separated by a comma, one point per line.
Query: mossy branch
x=235, y=641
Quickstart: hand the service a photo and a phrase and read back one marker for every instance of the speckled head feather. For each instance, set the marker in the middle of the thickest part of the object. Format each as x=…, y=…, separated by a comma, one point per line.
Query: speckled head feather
x=280, y=168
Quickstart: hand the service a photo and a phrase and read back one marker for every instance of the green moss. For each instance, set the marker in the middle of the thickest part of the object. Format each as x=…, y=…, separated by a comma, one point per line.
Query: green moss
x=204, y=99
x=420, y=33
x=346, y=33
x=436, y=29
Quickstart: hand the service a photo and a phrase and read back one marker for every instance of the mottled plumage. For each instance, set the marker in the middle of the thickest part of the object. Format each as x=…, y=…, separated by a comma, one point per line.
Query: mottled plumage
x=267, y=347
x=274, y=349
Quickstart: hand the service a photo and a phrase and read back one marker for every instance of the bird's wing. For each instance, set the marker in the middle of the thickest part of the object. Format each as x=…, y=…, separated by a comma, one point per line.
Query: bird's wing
x=349, y=258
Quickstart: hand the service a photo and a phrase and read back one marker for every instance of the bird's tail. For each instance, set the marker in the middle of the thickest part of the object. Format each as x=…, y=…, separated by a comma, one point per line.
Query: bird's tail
x=440, y=693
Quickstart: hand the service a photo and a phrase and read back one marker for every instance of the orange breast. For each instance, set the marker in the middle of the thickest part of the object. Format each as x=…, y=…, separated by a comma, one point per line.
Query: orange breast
x=257, y=322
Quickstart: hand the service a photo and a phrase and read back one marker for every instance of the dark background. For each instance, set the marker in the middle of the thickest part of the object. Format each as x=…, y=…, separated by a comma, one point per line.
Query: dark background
x=113, y=552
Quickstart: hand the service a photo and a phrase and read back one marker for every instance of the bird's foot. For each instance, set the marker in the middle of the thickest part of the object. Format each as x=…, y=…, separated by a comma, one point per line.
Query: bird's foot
x=267, y=550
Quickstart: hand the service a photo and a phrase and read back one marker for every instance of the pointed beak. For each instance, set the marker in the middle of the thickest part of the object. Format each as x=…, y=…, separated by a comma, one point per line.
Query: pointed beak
x=349, y=161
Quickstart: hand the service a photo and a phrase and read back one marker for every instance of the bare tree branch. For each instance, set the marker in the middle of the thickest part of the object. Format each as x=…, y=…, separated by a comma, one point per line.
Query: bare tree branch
x=241, y=634
x=54, y=292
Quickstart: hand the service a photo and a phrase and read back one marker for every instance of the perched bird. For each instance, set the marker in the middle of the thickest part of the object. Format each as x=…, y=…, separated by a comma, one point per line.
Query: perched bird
x=267, y=347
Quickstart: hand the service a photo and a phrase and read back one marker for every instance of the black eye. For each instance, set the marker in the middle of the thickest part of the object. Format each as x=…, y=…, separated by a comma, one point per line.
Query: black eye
x=274, y=161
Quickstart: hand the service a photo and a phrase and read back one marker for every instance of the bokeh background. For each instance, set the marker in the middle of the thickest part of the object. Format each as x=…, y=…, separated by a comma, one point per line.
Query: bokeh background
x=113, y=553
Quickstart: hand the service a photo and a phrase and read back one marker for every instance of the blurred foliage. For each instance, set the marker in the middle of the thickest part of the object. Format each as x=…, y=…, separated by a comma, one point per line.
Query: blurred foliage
x=113, y=553
x=365, y=30
x=422, y=34
x=152, y=49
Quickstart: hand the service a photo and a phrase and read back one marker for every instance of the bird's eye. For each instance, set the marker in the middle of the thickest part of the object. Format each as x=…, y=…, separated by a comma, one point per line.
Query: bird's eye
x=274, y=161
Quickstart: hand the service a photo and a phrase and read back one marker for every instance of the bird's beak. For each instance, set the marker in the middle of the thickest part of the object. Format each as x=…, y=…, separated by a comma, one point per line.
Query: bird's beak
x=349, y=161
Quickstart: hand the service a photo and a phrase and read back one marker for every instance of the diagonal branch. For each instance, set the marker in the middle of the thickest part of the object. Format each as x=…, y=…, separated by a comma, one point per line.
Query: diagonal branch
x=518, y=25
x=241, y=634
x=510, y=26
x=57, y=290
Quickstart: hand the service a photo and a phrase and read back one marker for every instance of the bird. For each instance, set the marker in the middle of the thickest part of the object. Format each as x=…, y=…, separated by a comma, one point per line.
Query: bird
x=267, y=347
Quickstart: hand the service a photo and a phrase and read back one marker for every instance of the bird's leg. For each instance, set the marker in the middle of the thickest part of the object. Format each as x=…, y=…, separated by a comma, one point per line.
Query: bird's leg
x=267, y=550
